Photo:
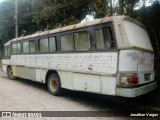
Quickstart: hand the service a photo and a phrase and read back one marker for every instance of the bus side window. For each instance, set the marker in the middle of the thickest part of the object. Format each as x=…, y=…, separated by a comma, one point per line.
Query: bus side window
x=43, y=45
x=67, y=42
x=26, y=47
x=52, y=44
x=104, y=38
x=18, y=48
x=32, y=46
x=82, y=42
x=9, y=51
x=6, y=52
x=14, y=48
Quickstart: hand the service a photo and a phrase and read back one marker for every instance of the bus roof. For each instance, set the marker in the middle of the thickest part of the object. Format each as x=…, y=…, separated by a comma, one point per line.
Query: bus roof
x=114, y=19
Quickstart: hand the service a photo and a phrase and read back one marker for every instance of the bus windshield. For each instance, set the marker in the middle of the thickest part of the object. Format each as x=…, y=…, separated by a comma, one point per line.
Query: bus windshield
x=137, y=36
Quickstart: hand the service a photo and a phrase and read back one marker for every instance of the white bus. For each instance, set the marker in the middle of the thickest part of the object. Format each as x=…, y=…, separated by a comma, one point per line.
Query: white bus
x=109, y=56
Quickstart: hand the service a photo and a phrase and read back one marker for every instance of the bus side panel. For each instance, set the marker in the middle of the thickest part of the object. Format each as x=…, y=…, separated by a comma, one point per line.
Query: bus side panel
x=5, y=63
x=94, y=83
x=25, y=72
x=89, y=72
x=41, y=75
x=4, y=68
x=82, y=71
x=86, y=82
x=128, y=60
x=108, y=85
x=66, y=79
x=91, y=63
x=104, y=62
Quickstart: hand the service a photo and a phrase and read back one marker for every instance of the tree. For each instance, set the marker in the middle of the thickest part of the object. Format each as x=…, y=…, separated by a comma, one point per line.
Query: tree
x=150, y=16
x=56, y=13
x=6, y=20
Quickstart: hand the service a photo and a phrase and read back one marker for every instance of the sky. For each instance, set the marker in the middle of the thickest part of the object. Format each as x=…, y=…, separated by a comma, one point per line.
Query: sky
x=1, y=1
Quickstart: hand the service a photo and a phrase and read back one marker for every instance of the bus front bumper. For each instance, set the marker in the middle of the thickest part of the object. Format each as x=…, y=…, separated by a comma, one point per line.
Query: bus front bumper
x=134, y=92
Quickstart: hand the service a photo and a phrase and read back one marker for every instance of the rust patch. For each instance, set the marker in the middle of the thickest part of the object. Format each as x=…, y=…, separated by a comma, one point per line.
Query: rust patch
x=142, y=61
x=145, y=63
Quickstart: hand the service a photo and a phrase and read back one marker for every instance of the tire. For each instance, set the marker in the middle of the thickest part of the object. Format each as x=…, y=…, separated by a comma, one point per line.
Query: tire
x=54, y=85
x=10, y=73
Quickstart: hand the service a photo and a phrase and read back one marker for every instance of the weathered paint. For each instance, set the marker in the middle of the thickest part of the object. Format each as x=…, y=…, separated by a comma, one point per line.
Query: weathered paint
x=137, y=36
x=135, y=61
x=25, y=72
x=145, y=61
x=4, y=68
x=66, y=79
x=87, y=82
x=83, y=71
x=41, y=75
x=128, y=60
x=5, y=63
x=101, y=84
x=101, y=63
x=108, y=85
x=134, y=92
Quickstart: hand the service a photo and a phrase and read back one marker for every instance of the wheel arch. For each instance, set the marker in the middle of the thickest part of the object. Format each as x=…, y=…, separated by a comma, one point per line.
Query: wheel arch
x=9, y=66
x=49, y=72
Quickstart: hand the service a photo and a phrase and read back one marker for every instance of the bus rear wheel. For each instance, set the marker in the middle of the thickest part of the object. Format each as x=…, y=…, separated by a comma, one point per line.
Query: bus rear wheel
x=10, y=74
x=54, y=85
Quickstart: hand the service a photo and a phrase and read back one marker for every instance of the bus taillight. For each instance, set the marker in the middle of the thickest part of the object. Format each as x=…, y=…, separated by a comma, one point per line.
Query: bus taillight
x=128, y=79
x=133, y=80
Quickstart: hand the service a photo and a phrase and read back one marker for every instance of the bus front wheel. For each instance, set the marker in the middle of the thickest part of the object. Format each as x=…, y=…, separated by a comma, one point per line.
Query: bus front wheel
x=10, y=74
x=54, y=85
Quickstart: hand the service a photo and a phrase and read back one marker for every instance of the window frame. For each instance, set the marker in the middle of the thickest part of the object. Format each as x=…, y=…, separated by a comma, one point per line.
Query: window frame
x=34, y=46
x=43, y=37
x=18, y=42
x=39, y=44
x=7, y=47
x=29, y=46
x=5, y=51
x=61, y=43
x=73, y=32
x=110, y=26
x=88, y=38
x=23, y=47
x=55, y=44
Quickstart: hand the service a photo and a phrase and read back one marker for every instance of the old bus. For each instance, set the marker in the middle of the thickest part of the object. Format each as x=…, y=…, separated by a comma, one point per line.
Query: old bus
x=109, y=56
